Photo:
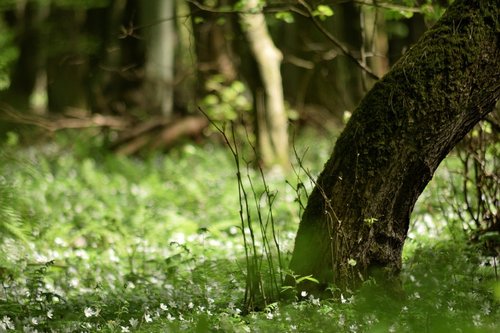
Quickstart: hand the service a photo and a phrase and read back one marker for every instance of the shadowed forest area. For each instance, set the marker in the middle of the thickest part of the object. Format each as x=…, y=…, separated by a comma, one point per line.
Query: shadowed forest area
x=249, y=166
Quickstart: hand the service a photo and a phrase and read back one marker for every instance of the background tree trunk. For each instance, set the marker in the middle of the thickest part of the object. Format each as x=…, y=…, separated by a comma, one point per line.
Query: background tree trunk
x=357, y=217
x=272, y=120
x=375, y=44
x=158, y=17
x=213, y=33
x=30, y=68
x=67, y=62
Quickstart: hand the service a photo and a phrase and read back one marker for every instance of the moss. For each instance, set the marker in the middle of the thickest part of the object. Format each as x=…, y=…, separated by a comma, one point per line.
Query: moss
x=396, y=138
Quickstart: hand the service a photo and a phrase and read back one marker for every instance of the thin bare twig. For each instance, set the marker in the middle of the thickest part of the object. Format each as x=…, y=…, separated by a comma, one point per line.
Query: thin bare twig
x=386, y=5
x=336, y=42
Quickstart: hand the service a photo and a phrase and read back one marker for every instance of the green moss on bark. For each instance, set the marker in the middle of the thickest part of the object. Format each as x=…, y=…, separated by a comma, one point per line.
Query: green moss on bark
x=394, y=142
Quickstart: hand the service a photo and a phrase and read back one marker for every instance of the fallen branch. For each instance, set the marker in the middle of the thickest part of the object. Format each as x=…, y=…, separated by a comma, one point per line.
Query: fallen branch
x=151, y=136
x=134, y=135
x=57, y=123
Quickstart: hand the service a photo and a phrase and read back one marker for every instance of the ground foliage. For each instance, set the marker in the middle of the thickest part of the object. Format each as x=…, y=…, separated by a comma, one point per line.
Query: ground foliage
x=97, y=242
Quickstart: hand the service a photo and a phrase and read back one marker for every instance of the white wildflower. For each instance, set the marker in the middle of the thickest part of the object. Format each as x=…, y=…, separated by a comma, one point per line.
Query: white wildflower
x=29, y=329
x=190, y=305
x=341, y=320
x=50, y=314
x=269, y=315
x=61, y=242
x=314, y=301
x=82, y=254
x=125, y=329
x=89, y=312
x=74, y=282
x=112, y=256
x=486, y=309
x=7, y=323
x=170, y=317
x=476, y=320
x=163, y=307
x=303, y=293
x=147, y=318
x=133, y=322
x=233, y=230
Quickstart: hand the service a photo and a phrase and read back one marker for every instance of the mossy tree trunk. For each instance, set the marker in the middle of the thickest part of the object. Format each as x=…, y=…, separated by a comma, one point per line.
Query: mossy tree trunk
x=357, y=217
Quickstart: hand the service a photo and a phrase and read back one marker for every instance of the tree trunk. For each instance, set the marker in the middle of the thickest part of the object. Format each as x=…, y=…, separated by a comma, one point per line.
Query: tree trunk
x=158, y=18
x=102, y=25
x=272, y=120
x=375, y=42
x=213, y=31
x=67, y=63
x=29, y=70
x=357, y=217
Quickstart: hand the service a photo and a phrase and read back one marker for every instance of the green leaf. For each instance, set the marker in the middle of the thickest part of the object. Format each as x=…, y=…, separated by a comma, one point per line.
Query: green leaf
x=306, y=278
x=286, y=17
x=323, y=11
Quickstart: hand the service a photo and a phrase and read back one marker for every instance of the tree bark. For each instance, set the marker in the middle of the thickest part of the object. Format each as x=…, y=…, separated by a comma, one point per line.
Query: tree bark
x=213, y=45
x=29, y=69
x=67, y=63
x=272, y=120
x=357, y=217
x=158, y=17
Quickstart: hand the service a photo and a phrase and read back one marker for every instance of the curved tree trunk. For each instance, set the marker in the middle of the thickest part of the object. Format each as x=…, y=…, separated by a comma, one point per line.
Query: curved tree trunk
x=272, y=121
x=357, y=217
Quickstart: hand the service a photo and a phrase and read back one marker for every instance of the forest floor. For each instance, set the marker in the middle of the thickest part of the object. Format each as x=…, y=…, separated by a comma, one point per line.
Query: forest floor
x=91, y=241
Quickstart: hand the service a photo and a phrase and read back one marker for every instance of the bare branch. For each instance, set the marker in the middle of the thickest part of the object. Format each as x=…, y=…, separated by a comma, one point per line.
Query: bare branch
x=336, y=42
x=387, y=5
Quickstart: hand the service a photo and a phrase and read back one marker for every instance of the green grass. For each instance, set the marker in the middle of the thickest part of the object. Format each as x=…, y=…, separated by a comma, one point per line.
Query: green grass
x=118, y=244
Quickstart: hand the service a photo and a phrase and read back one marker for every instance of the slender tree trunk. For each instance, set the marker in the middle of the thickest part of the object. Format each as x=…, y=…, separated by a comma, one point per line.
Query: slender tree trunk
x=214, y=50
x=29, y=72
x=102, y=24
x=272, y=121
x=357, y=217
x=158, y=17
x=67, y=63
x=375, y=42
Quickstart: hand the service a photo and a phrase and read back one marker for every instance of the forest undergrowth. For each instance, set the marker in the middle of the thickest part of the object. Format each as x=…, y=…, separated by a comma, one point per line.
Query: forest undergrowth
x=91, y=241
